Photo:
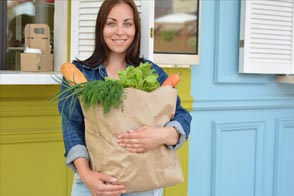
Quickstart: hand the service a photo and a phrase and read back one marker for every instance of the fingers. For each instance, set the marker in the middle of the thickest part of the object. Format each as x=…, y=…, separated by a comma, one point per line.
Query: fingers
x=109, y=189
x=137, y=141
x=131, y=141
x=106, y=178
x=132, y=145
x=112, y=189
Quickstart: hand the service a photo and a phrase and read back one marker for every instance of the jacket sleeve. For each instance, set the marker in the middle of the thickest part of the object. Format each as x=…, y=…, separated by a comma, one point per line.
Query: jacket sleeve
x=182, y=119
x=72, y=127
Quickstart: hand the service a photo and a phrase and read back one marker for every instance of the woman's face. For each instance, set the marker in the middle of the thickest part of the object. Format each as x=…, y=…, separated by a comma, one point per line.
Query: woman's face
x=119, y=30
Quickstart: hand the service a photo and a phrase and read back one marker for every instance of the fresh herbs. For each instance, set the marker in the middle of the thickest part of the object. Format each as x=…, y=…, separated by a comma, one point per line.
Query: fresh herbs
x=109, y=94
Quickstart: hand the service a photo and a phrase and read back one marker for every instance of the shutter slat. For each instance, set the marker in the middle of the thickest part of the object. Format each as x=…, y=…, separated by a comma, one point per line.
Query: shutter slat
x=269, y=59
x=87, y=36
x=87, y=30
x=266, y=57
x=272, y=3
x=271, y=18
x=272, y=27
x=281, y=51
x=87, y=23
x=277, y=12
x=268, y=31
x=271, y=42
x=95, y=4
x=89, y=11
x=88, y=17
x=271, y=22
x=270, y=37
x=276, y=8
x=271, y=46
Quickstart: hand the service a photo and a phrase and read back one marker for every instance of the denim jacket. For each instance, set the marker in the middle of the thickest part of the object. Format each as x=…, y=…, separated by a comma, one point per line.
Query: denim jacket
x=73, y=124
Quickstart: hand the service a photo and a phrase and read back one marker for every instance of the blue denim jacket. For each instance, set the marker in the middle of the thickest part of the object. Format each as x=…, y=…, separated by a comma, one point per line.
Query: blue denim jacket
x=73, y=124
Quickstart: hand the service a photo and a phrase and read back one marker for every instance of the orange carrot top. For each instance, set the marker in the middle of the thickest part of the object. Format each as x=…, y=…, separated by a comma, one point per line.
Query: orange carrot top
x=172, y=80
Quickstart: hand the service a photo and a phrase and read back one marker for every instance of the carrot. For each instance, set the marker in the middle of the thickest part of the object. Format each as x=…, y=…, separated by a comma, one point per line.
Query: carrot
x=172, y=80
x=72, y=74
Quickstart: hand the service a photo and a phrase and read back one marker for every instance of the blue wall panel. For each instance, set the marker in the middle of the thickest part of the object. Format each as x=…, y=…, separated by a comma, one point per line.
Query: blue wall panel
x=284, y=158
x=237, y=158
x=242, y=137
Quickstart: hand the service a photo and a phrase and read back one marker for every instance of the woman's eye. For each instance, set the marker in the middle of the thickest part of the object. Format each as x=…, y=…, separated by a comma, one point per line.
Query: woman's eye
x=111, y=24
x=128, y=24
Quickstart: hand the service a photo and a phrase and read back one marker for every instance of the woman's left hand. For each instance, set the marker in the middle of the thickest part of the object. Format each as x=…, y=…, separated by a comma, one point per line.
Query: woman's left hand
x=147, y=138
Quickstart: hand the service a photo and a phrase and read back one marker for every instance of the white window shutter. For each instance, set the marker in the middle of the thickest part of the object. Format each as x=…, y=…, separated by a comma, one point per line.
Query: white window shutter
x=83, y=21
x=267, y=37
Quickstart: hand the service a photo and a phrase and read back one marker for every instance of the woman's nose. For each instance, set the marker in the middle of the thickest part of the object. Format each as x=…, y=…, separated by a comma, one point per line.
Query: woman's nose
x=120, y=30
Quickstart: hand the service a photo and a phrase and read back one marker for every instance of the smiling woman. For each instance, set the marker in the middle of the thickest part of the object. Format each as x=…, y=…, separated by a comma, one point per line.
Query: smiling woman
x=117, y=39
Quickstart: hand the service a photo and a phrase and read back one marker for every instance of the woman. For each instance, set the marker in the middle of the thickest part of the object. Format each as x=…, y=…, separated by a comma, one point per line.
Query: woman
x=117, y=45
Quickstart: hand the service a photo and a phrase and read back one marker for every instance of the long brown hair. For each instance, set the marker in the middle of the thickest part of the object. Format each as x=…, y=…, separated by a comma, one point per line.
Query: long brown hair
x=101, y=52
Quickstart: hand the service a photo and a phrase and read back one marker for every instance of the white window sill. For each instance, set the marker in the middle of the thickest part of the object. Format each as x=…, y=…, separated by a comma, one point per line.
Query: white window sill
x=29, y=78
x=43, y=78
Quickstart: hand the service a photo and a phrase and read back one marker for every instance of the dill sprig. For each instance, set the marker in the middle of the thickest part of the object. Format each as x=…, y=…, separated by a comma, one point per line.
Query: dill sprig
x=108, y=93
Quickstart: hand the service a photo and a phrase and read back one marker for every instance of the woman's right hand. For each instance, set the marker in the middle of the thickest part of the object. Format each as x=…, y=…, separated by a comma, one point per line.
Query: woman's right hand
x=98, y=184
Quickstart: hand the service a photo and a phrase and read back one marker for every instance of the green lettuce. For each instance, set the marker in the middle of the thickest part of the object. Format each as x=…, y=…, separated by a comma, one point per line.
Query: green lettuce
x=141, y=77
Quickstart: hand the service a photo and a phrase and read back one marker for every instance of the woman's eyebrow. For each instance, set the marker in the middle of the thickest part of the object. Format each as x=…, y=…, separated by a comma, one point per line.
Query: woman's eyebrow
x=111, y=19
x=128, y=19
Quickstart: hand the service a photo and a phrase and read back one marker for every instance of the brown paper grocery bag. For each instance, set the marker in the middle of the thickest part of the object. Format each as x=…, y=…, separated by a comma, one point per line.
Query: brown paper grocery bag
x=137, y=171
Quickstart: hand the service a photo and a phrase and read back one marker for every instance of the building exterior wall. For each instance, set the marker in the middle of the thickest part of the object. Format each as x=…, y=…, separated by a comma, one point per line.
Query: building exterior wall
x=242, y=140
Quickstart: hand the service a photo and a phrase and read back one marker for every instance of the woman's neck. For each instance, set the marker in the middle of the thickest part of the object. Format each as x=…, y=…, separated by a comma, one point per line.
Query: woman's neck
x=114, y=64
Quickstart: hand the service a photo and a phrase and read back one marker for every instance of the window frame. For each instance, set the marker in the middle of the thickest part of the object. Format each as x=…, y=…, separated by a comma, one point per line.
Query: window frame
x=3, y=24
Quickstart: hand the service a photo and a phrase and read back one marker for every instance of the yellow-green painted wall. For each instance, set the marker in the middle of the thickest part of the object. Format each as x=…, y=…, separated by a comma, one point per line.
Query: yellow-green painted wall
x=31, y=145
x=184, y=88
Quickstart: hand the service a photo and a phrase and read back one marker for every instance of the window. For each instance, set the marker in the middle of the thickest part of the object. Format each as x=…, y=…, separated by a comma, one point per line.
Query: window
x=9, y=68
x=176, y=32
x=15, y=15
x=267, y=37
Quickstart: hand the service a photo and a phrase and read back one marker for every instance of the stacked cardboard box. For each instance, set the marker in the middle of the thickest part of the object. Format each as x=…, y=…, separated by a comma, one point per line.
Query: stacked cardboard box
x=37, y=36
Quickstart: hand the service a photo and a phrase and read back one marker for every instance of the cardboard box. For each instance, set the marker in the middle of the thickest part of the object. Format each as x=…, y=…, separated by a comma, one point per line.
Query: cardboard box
x=36, y=62
x=37, y=36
